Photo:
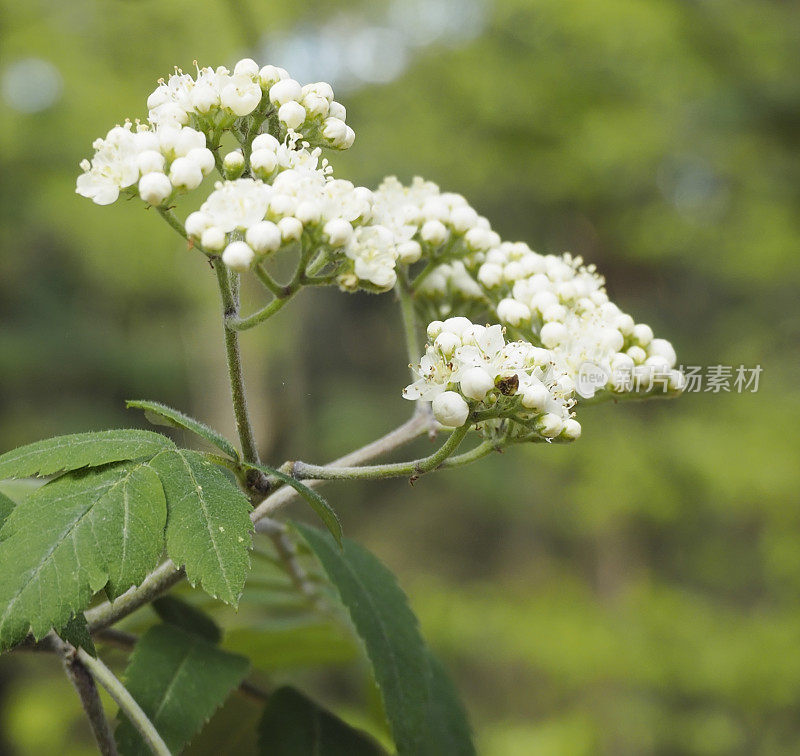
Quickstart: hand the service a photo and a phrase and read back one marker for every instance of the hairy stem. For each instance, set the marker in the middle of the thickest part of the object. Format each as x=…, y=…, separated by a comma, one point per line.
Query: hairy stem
x=125, y=701
x=230, y=306
x=84, y=684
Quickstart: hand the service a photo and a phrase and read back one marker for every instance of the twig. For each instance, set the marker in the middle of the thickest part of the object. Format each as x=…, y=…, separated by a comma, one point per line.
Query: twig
x=418, y=424
x=84, y=684
x=157, y=582
x=126, y=702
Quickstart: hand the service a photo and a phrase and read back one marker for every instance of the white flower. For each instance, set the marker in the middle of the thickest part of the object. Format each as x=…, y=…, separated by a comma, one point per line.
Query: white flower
x=246, y=67
x=335, y=131
x=115, y=166
x=263, y=162
x=373, y=251
x=203, y=157
x=241, y=95
x=238, y=256
x=213, y=238
x=237, y=204
x=154, y=188
x=450, y=409
x=269, y=75
x=291, y=228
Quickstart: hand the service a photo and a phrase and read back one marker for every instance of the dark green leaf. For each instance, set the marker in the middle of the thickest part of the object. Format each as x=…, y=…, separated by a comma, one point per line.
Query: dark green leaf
x=6, y=507
x=64, y=453
x=208, y=527
x=76, y=632
x=160, y=414
x=89, y=529
x=179, y=613
x=179, y=680
x=293, y=724
x=324, y=510
x=409, y=684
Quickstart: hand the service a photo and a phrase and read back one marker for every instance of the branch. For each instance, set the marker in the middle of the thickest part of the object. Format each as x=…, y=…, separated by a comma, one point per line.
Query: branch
x=83, y=682
x=415, y=468
x=125, y=701
x=157, y=582
x=418, y=424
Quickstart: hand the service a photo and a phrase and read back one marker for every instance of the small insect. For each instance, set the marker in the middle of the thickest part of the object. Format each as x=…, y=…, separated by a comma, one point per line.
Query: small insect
x=508, y=386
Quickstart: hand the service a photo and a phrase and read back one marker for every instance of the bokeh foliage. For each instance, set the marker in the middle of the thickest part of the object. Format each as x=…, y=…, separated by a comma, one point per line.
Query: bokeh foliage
x=636, y=592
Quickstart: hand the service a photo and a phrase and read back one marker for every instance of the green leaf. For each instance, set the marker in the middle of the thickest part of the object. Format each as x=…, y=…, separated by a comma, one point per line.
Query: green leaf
x=208, y=527
x=293, y=724
x=178, y=613
x=76, y=632
x=64, y=453
x=324, y=510
x=89, y=529
x=160, y=414
x=6, y=507
x=410, y=684
x=179, y=680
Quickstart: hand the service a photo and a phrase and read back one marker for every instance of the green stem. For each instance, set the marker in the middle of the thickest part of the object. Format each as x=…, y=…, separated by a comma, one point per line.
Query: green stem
x=268, y=281
x=230, y=307
x=233, y=323
x=409, y=320
x=126, y=702
x=425, y=272
x=167, y=214
x=303, y=471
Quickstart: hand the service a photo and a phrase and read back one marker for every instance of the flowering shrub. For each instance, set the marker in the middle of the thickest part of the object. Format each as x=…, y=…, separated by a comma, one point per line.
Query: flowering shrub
x=517, y=341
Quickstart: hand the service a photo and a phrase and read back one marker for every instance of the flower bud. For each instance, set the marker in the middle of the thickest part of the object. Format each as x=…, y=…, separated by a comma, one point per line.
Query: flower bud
x=338, y=231
x=270, y=75
x=238, y=256
x=265, y=142
x=662, y=348
x=434, y=328
x=552, y=334
x=213, y=239
x=154, y=188
x=550, y=425
x=204, y=97
x=409, y=252
x=185, y=173
x=642, y=334
x=203, y=157
x=196, y=223
x=291, y=113
x=246, y=67
x=337, y=110
x=291, y=228
x=263, y=162
x=490, y=275
x=447, y=343
x=476, y=383
x=450, y=409
x=535, y=397
x=285, y=90
x=241, y=96
x=308, y=212
x=334, y=131
x=233, y=164
x=572, y=430
x=462, y=219
x=512, y=312
x=150, y=161
x=434, y=232
x=264, y=237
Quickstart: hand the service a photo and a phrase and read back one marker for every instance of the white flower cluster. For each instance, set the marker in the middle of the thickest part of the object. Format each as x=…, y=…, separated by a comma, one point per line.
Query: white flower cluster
x=562, y=305
x=217, y=96
x=334, y=213
x=429, y=223
x=155, y=162
x=471, y=368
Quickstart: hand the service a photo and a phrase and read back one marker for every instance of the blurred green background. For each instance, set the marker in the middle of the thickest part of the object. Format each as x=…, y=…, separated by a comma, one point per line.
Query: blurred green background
x=633, y=593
